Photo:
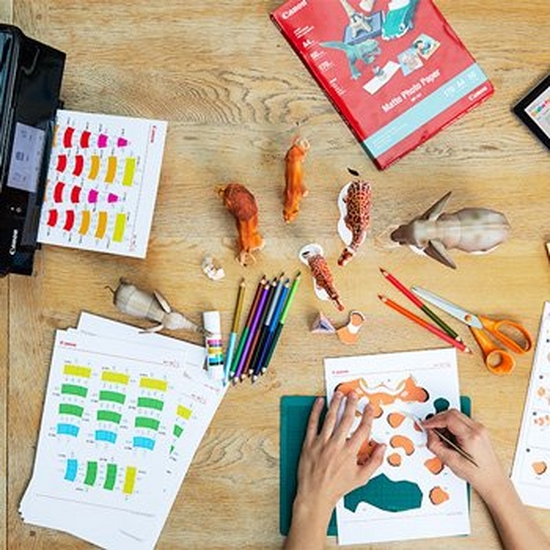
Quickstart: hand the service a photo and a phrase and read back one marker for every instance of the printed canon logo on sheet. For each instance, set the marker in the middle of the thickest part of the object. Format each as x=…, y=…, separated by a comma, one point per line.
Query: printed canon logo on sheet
x=289, y=13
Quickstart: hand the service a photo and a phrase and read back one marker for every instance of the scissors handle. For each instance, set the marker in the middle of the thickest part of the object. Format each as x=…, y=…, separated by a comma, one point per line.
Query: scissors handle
x=497, y=360
x=513, y=335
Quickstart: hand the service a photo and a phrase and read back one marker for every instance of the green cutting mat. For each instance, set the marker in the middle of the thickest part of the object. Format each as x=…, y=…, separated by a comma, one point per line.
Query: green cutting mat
x=294, y=412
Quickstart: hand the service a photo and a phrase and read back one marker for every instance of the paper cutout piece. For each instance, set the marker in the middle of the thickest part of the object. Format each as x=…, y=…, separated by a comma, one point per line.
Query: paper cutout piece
x=435, y=465
x=395, y=419
x=406, y=391
x=438, y=496
x=381, y=492
x=539, y=467
x=212, y=269
x=322, y=325
x=348, y=334
x=394, y=459
x=402, y=442
x=441, y=405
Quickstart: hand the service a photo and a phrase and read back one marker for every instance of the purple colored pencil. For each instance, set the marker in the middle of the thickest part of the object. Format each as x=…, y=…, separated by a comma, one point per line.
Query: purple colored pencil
x=253, y=327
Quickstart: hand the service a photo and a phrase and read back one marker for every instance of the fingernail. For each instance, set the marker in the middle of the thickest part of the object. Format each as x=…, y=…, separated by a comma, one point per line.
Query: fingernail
x=352, y=395
x=338, y=395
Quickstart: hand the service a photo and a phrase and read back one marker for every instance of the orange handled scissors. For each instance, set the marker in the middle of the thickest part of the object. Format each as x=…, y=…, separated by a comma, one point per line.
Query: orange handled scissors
x=509, y=333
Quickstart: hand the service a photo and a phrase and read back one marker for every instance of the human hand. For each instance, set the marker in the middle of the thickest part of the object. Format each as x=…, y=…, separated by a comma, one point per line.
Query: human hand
x=329, y=465
x=488, y=476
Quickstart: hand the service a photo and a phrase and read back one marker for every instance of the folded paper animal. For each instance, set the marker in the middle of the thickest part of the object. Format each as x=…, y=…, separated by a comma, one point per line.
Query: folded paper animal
x=469, y=230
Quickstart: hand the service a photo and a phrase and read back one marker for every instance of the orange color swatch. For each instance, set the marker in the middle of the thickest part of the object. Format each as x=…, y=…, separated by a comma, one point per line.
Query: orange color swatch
x=539, y=467
x=394, y=459
x=395, y=419
x=438, y=496
x=434, y=465
x=402, y=442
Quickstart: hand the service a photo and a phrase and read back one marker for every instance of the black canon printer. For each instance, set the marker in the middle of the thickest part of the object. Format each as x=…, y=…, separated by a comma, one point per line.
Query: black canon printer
x=30, y=83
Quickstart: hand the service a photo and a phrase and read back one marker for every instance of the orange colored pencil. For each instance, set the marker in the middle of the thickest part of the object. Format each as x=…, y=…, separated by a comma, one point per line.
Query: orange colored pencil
x=419, y=321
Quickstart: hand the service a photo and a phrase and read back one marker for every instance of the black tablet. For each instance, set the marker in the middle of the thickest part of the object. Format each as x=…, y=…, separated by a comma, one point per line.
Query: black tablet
x=534, y=111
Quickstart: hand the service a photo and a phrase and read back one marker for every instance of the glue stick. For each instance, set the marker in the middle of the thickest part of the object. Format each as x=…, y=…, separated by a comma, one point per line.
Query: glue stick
x=214, y=352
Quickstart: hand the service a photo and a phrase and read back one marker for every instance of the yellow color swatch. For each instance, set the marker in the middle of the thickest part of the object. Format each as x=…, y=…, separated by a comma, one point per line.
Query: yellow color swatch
x=76, y=370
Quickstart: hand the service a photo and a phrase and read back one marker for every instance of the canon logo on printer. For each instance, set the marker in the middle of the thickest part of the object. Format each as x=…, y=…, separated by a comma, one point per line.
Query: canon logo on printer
x=13, y=247
x=294, y=9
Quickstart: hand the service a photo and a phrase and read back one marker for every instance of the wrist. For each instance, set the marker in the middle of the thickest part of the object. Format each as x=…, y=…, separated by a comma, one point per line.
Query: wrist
x=497, y=492
x=312, y=512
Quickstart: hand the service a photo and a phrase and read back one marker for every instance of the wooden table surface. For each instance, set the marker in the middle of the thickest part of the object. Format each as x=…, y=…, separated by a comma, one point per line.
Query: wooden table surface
x=234, y=96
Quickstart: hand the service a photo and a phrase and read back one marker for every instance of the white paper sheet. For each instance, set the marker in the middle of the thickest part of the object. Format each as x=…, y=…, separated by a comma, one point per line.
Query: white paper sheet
x=110, y=521
x=531, y=470
x=102, y=183
x=397, y=385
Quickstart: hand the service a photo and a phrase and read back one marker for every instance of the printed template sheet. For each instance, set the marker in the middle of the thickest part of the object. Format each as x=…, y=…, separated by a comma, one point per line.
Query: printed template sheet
x=102, y=182
x=412, y=495
x=123, y=417
x=531, y=470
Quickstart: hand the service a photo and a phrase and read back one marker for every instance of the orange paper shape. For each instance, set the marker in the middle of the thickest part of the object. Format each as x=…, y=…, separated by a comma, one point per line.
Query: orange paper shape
x=349, y=333
x=539, y=467
x=434, y=465
x=394, y=459
x=438, y=496
x=395, y=419
x=242, y=204
x=402, y=442
x=407, y=391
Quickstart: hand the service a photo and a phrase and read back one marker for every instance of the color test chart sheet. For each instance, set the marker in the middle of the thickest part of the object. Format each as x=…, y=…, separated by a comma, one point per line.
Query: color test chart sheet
x=102, y=183
x=122, y=421
x=531, y=470
x=412, y=495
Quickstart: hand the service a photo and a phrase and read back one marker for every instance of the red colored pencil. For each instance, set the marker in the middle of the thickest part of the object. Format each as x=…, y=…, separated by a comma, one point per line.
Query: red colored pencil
x=425, y=324
x=419, y=304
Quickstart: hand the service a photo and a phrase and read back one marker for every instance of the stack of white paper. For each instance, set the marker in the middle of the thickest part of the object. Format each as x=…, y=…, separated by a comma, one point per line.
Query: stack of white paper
x=123, y=416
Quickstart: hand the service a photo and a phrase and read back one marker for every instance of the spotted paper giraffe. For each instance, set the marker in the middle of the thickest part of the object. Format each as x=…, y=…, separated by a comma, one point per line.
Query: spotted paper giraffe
x=358, y=202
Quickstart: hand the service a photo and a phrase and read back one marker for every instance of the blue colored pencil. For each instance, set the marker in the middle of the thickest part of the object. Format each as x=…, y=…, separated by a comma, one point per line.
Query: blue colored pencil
x=252, y=331
x=280, y=324
x=255, y=348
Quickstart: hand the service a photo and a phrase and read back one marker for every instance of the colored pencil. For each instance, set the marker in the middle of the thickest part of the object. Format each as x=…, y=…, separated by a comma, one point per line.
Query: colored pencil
x=421, y=305
x=246, y=328
x=265, y=322
x=256, y=336
x=234, y=329
x=281, y=322
x=270, y=330
x=434, y=330
x=252, y=329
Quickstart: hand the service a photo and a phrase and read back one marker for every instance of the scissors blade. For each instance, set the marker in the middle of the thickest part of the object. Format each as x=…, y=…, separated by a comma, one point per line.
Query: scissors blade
x=448, y=307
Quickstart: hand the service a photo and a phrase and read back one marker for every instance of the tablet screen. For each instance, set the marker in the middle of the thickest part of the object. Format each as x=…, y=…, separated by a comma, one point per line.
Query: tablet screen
x=534, y=111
